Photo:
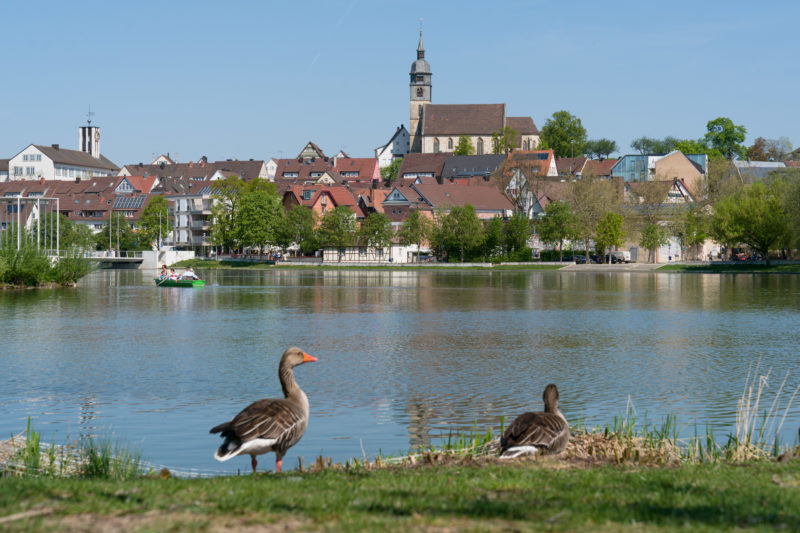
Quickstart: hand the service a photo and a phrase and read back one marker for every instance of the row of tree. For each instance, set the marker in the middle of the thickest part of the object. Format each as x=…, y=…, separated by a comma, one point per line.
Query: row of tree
x=765, y=216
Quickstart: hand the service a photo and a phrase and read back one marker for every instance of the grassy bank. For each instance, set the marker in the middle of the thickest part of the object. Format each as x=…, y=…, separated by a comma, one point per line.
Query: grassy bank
x=241, y=265
x=726, y=268
x=525, y=495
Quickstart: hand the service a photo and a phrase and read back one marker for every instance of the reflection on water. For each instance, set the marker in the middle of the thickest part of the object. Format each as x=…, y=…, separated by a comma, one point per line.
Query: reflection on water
x=403, y=356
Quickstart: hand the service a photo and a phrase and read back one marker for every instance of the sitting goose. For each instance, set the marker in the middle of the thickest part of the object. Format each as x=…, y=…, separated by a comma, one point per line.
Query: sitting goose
x=531, y=433
x=273, y=425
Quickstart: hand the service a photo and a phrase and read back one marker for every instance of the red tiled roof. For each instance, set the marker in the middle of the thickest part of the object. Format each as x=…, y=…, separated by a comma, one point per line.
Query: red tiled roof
x=597, y=167
x=570, y=165
x=484, y=198
x=415, y=163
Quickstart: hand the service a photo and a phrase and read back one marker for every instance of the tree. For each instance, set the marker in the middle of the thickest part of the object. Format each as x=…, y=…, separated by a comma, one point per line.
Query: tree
x=700, y=146
x=516, y=233
x=601, y=148
x=224, y=210
x=564, y=134
x=460, y=231
x=653, y=236
x=769, y=149
x=375, y=231
x=504, y=141
x=257, y=219
x=726, y=137
x=590, y=198
x=650, y=145
x=297, y=227
x=557, y=226
x=416, y=229
x=154, y=223
x=610, y=233
x=337, y=228
x=492, y=245
x=754, y=216
x=389, y=173
x=70, y=234
x=117, y=235
x=464, y=146
x=691, y=225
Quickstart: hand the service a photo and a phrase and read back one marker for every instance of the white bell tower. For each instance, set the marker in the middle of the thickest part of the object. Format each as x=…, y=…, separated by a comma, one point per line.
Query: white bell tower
x=89, y=137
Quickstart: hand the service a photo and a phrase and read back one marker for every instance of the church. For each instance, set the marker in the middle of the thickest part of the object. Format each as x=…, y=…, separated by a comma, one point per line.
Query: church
x=436, y=128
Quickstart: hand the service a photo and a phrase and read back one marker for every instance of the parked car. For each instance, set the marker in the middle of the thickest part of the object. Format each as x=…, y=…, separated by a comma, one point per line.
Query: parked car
x=622, y=256
x=579, y=259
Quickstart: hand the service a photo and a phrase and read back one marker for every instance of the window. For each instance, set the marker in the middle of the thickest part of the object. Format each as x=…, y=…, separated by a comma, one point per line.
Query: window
x=18, y=171
x=290, y=174
x=307, y=195
x=480, y=147
x=436, y=146
x=316, y=174
x=38, y=157
x=24, y=157
x=450, y=144
x=30, y=171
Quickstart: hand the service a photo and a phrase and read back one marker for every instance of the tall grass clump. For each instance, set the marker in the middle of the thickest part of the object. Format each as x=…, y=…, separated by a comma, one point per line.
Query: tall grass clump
x=758, y=427
x=24, y=267
x=104, y=459
x=70, y=269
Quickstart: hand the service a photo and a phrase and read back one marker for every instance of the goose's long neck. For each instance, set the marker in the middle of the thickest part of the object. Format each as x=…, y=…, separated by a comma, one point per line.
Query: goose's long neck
x=288, y=384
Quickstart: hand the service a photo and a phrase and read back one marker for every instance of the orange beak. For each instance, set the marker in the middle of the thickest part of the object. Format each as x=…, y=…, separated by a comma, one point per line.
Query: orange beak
x=308, y=358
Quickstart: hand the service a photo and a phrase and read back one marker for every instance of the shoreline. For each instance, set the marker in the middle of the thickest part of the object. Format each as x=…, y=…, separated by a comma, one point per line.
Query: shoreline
x=716, y=267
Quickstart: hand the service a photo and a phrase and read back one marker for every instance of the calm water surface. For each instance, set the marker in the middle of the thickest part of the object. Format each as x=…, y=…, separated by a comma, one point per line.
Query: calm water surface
x=404, y=357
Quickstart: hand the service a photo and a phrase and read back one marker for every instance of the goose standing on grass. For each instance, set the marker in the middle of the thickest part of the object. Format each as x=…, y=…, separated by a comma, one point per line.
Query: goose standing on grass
x=272, y=425
x=540, y=432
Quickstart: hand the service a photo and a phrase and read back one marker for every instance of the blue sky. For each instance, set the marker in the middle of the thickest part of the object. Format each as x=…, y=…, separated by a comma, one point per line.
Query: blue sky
x=260, y=79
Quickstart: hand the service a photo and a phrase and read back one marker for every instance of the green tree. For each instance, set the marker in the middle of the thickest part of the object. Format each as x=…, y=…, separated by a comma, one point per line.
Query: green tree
x=459, y=231
x=224, y=211
x=754, y=216
x=257, y=220
x=297, y=227
x=691, y=225
x=376, y=231
x=154, y=223
x=118, y=235
x=653, y=236
x=601, y=148
x=492, y=245
x=557, y=226
x=726, y=137
x=337, y=228
x=516, y=232
x=564, y=134
x=416, y=229
x=70, y=235
x=700, y=146
x=610, y=233
x=464, y=146
x=504, y=141
x=650, y=145
x=389, y=173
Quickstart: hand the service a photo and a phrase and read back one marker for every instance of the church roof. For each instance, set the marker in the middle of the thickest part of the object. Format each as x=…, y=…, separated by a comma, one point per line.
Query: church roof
x=522, y=125
x=463, y=119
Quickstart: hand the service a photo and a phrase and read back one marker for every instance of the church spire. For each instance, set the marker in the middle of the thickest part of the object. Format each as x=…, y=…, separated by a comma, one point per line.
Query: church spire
x=420, y=48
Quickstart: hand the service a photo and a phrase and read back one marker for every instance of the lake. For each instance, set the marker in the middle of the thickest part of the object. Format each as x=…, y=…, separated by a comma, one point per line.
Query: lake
x=404, y=357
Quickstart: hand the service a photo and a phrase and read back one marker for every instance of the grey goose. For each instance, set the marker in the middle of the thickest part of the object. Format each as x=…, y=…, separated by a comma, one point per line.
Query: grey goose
x=271, y=425
x=538, y=432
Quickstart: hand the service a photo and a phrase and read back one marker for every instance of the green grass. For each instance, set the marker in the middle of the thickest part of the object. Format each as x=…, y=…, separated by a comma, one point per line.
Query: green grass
x=732, y=267
x=519, y=496
x=242, y=265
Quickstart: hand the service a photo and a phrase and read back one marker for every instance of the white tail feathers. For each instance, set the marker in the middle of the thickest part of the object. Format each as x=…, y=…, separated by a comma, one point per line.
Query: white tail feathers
x=519, y=451
x=232, y=448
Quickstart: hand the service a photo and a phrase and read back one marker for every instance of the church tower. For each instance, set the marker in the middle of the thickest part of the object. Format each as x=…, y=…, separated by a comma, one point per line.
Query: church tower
x=420, y=95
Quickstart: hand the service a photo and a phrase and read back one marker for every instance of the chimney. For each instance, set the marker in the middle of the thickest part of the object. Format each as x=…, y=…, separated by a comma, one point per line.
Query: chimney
x=334, y=162
x=57, y=147
x=191, y=164
x=41, y=181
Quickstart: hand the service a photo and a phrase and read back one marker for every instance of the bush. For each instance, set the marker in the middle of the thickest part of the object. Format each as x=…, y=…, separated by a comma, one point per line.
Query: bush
x=553, y=255
x=70, y=269
x=25, y=266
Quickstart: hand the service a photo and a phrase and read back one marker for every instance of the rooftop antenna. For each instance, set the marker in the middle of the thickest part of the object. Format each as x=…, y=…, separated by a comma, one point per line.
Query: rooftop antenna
x=89, y=116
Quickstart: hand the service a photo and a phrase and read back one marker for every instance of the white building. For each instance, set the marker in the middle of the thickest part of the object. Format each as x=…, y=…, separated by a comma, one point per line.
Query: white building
x=55, y=163
x=397, y=146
